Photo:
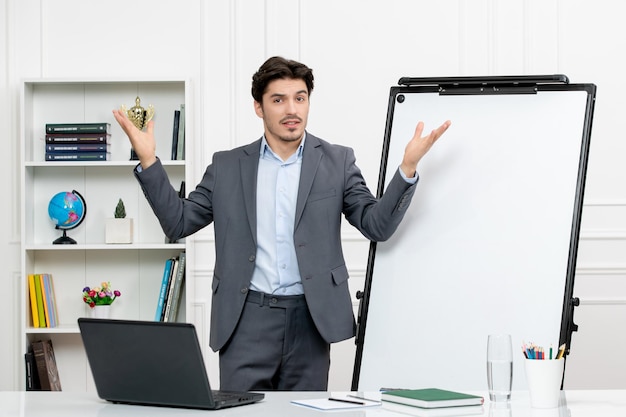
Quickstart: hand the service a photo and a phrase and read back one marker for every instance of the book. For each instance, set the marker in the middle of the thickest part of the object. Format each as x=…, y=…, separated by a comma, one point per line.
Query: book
x=96, y=127
x=163, y=292
x=178, y=284
x=175, y=129
x=170, y=290
x=78, y=147
x=76, y=138
x=44, y=299
x=50, y=300
x=77, y=156
x=30, y=368
x=170, y=287
x=34, y=312
x=40, y=309
x=55, y=312
x=180, y=151
x=431, y=398
x=46, y=365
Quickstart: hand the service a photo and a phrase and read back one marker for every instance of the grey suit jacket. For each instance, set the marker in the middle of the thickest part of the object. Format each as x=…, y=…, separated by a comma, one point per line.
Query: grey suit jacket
x=330, y=185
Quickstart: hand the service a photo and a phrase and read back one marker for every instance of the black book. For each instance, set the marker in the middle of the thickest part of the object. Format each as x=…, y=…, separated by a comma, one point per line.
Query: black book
x=175, y=134
x=78, y=147
x=32, y=376
x=76, y=138
x=97, y=127
x=77, y=156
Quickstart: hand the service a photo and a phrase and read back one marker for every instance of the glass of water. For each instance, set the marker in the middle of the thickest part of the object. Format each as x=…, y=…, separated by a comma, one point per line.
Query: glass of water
x=499, y=367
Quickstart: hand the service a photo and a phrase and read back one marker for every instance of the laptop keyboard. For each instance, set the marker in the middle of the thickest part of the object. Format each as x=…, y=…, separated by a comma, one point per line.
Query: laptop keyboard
x=219, y=396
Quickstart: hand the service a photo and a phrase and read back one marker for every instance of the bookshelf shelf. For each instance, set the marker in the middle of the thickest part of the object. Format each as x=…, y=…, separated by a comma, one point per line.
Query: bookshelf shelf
x=102, y=164
x=63, y=329
x=136, y=269
x=106, y=247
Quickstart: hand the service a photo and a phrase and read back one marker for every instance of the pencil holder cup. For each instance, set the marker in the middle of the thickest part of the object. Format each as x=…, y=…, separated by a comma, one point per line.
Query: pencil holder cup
x=544, y=381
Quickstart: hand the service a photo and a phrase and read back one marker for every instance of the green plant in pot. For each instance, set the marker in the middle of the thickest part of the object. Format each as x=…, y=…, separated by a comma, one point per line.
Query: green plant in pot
x=119, y=229
x=120, y=210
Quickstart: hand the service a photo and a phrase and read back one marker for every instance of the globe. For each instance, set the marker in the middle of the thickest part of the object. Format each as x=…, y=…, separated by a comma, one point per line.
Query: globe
x=67, y=210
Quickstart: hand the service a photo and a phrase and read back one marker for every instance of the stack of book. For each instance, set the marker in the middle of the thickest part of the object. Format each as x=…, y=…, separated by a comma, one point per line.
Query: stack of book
x=172, y=282
x=78, y=141
x=42, y=300
x=42, y=373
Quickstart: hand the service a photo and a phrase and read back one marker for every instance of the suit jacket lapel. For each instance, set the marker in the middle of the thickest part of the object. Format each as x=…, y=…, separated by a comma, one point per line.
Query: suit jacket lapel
x=249, y=165
x=311, y=157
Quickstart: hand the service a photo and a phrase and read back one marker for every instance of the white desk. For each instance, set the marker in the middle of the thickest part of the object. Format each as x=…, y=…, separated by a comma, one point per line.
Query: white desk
x=604, y=403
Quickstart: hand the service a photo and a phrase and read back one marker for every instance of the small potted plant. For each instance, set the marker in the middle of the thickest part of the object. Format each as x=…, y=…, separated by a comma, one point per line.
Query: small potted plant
x=99, y=299
x=119, y=229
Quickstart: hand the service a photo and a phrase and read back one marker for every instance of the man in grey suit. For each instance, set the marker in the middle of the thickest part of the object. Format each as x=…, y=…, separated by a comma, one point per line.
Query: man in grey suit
x=280, y=286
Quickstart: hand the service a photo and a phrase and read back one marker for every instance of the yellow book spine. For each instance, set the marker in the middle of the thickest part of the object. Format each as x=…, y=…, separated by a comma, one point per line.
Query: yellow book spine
x=33, y=300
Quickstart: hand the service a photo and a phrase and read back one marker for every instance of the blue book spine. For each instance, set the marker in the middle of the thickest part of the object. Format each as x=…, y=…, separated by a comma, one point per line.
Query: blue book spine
x=49, y=300
x=163, y=292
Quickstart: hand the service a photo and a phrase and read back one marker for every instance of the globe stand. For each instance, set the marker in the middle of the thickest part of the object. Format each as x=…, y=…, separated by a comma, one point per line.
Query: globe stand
x=64, y=240
x=61, y=211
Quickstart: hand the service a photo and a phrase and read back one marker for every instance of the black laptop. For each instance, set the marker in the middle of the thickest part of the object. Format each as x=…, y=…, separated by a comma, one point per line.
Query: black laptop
x=152, y=363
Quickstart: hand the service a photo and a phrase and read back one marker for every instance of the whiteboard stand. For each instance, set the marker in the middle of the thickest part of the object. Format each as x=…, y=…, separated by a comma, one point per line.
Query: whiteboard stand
x=490, y=240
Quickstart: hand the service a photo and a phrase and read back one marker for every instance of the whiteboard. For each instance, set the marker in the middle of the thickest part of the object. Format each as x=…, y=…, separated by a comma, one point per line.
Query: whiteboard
x=488, y=243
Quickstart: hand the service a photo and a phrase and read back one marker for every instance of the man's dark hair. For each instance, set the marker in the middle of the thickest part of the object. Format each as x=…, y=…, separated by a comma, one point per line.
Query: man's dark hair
x=279, y=68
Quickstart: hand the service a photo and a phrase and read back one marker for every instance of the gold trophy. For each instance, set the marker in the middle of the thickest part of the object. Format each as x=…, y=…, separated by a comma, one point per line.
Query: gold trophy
x=140, y=118
x=138, y=115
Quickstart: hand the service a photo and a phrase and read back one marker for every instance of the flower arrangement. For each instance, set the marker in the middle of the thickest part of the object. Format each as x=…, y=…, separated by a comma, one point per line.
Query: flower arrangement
x=99, y=296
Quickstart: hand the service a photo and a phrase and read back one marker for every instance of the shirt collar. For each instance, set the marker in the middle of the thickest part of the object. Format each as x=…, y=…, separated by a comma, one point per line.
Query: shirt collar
x=266, y=148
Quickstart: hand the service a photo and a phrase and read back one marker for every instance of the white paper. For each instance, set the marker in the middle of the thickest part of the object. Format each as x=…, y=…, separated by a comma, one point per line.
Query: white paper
x=347, y=400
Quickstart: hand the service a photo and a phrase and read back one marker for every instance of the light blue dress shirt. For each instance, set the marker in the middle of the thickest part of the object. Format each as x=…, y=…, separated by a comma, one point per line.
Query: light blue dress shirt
x=276, y=269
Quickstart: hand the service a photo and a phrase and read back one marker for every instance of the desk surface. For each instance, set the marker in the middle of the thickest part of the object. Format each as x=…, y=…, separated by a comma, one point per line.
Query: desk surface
x=605, y=403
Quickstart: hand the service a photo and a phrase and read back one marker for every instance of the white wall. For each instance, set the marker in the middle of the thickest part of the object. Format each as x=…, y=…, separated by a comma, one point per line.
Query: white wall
x=358, y=49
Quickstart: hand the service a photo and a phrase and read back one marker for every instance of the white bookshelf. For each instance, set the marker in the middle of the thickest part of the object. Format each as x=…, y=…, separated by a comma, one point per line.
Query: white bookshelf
x=135, y=269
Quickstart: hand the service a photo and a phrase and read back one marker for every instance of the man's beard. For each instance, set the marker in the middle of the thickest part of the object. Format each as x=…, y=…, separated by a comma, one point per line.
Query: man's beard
x=294, y=136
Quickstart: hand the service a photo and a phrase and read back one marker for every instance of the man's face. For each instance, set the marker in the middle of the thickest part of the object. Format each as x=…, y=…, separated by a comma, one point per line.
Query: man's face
x=284, y=110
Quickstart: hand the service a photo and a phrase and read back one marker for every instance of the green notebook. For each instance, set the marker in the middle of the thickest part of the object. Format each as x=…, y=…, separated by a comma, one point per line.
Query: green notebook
x=431, y=398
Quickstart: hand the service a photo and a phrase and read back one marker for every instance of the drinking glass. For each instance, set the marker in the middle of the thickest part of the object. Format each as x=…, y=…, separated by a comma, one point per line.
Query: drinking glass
x=499, y=367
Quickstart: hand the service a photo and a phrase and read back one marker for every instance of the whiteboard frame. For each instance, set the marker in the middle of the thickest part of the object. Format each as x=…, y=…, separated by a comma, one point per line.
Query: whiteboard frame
x=481, y=87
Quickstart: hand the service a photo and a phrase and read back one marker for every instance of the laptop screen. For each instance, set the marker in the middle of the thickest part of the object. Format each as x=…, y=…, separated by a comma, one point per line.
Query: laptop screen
x=146, y=362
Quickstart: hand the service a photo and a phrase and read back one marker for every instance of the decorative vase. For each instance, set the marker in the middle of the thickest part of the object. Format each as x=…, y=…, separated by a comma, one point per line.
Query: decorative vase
x=101, y=312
